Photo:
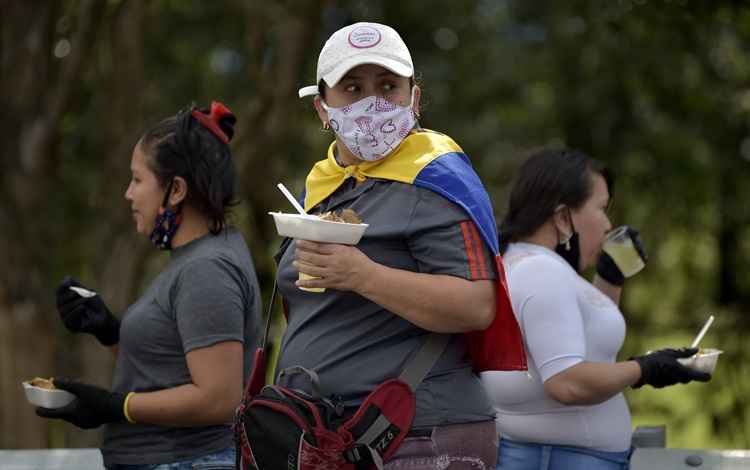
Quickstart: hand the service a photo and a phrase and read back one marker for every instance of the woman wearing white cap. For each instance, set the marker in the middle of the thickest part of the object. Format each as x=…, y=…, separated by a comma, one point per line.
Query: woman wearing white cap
x=427, y=262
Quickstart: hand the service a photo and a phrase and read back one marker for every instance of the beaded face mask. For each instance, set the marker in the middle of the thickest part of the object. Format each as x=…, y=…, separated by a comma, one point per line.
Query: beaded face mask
x=166, y=223
x=372, y=127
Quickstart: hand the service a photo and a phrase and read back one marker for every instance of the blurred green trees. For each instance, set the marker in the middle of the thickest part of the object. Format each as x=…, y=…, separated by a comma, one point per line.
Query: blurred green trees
x=660, y=90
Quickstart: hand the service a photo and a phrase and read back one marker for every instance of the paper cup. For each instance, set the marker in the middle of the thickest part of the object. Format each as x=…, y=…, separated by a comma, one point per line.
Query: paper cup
x=705, y=360
x=47, y=398
x=304, y=277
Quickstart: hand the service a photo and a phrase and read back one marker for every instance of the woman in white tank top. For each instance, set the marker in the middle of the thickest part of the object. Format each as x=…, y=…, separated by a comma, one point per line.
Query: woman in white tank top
x=568, y=411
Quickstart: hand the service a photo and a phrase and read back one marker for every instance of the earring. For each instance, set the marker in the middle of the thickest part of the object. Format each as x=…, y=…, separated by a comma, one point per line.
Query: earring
x=566, y=243
x=326, y=126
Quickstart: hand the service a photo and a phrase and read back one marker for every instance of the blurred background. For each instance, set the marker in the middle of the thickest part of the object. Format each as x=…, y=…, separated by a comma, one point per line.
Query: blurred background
x=658, y=89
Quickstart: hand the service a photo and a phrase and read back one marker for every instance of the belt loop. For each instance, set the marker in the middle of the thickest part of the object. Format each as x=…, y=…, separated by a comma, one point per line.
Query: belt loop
x=424, y=432
x=546, y=457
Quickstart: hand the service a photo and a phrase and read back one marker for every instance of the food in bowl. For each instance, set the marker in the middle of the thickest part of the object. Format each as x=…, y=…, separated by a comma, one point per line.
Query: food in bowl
x=346, y=216
x=42, y=392
x=43, y=383
x=704, y=360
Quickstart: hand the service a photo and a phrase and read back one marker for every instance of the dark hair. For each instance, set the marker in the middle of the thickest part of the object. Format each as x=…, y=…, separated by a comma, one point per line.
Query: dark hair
x=545, y=180
x=182, y=146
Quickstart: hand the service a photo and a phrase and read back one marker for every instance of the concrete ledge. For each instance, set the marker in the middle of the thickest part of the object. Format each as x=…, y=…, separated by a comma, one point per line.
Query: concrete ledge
x=649, y=458
x=51, y=459
x=685, y=459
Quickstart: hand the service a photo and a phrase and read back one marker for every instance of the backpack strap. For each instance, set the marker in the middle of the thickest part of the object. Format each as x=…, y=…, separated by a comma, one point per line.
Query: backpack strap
x=258, y=374
x=255, y=383
x=424, y=360
x=312, y=376
x=269, y=314
x=415, y=371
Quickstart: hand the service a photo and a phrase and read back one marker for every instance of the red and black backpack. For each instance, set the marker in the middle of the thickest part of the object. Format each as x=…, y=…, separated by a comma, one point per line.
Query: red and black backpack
x=280, y=428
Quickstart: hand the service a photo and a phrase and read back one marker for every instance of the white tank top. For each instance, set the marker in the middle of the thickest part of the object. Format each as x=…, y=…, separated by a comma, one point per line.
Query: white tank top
x=564, y=320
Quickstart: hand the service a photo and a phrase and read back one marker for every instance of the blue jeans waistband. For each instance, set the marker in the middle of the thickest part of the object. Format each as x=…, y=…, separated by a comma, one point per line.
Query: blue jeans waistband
x=532, y=455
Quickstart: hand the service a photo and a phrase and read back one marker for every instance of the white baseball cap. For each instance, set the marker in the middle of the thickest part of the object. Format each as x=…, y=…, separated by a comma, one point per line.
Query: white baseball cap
x=357, y=44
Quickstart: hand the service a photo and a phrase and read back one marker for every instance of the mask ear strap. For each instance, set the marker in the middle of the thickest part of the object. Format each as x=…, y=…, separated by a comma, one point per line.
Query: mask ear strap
x=165, y=202
x=570, y=219
x=411, y=103
x=572, y=227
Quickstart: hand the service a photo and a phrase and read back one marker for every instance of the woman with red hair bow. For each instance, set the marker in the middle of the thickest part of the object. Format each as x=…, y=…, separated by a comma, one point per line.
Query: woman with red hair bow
x=182, y=347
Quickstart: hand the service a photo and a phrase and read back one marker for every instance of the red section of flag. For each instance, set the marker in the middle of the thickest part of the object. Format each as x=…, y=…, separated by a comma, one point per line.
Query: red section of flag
x=471, y=253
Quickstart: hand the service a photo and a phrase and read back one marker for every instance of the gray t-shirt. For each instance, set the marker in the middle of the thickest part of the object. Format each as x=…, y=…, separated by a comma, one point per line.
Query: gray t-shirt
x=207, y=294
x=354, y=344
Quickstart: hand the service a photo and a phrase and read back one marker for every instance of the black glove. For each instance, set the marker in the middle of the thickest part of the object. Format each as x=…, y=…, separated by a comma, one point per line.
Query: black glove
x=660, y=368
x=86, y=314
x=606, y=267
x=93, y=406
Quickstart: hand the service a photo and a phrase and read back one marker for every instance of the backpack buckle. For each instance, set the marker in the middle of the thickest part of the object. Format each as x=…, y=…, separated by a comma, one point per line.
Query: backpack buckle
x=358, y=453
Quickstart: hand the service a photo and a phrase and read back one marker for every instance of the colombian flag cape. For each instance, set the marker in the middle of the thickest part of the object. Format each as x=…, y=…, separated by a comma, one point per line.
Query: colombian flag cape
x=434, y=161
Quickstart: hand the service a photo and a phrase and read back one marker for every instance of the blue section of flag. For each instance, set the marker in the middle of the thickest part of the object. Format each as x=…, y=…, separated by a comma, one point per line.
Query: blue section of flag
x=452, y=176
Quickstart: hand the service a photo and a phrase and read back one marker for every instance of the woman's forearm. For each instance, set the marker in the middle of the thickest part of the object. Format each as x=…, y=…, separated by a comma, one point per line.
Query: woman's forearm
x=184, y=405
x=439, y=303
x=610, y=290
x=590, y=383
x=211, y=398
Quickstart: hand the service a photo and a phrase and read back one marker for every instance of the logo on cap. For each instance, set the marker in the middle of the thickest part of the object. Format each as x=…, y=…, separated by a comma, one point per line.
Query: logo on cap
x=364, y=37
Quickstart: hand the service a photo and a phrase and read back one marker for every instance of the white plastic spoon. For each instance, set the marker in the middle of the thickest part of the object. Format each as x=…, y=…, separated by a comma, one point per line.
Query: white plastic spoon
x=85, y=293
x=291, y=198
x=702, y=333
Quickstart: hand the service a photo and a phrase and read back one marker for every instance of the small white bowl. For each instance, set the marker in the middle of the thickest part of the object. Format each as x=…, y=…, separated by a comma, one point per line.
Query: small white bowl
x=313, y=228
x=704, y=360
x=47, y=398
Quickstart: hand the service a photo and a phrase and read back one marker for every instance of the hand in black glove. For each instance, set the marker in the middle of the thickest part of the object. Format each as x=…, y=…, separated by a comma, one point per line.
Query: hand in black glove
x=607, y=268
x=660, y=368
x=86, y=314
x=93, y=406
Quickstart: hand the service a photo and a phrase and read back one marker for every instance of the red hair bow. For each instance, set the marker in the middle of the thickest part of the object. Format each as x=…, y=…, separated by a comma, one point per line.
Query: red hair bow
x=211, y=120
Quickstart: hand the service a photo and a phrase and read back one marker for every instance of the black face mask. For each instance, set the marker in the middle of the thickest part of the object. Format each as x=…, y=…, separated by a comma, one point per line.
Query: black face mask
x=166, y=224
x=571, y=251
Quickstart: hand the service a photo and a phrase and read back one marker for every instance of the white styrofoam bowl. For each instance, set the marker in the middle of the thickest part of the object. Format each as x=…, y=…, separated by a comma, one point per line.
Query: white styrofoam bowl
x=47, y=398
x=704, y=360
x=313, y=228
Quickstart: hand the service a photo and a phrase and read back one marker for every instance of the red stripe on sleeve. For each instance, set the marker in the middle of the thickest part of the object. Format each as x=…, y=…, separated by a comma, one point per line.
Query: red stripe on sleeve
x=479, y=252
x=470, y=253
